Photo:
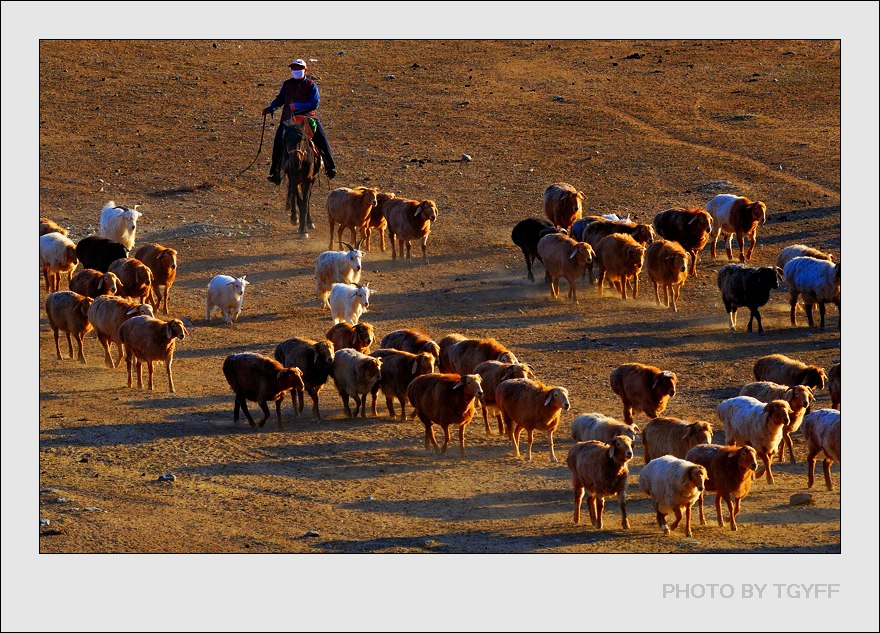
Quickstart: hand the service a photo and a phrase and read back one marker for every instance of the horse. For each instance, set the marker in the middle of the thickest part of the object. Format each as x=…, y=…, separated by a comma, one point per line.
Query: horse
x=302, y=164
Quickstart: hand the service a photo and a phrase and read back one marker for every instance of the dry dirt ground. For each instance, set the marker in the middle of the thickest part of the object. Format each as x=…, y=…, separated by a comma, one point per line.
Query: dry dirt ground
x=168, y=124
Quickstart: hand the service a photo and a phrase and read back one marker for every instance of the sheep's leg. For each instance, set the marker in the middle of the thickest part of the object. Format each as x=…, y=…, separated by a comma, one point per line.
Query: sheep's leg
x=382, y=235
x=623, y=288
x=363, y=398
x=515, y=437
x=589, y=269
x=552, y=451
x=137, y=364
x=715, y=242
x=811, y=464
x=822, y=316
x=792, y=300
x=150, y=373
x=624, y=520
x=591, y=506
x=678, y=518
x=79, y=343
x=767, y=458
x=808, y=308
x=246, y=412
x=636, y=288
x=700, y=504
x=105, y=343
x=753, y=236
x=69, y=345
x=313, y=394
x=531, y=433
x=760, y=325
x=445, y=439
x=751, y=320
x=528, y=258
x=627, y=412
x=578, y=498
x=687, y=522
x=461, y=440
x=339, y=236
x=278, y=412
x=486, y=419
x=264, y=407
x=731, y=511
x=128, y=365
x=424, y=243
x=347, y=408
x=600, y=508
x=729, y=245
x=430, y=440
x=740, y=239
x=657, y=292
x=718, y=514
x=332, y=226
x=168, y=371
x=601, y=282
x=165, y=298
x=351, y=230
x=500, y=423
x=826, y=469
x=58, y=347
x=661, y=521
x=675, y=291
x=409, y=249
x=572, y=290
x=402, y=409
x=392, y=238
x=790, y=445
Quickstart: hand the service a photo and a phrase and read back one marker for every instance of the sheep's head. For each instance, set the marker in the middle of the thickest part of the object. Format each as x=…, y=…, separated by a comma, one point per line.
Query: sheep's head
x=778, y=413
x=664, y=384
x=423, y=364
x=432, y=348
x=635, y=256
x=369, y=370
x=769, y=277
x=238, y=285
x=745, y=457
x=558, y=396
x=758, y=211
x=702, y=221
x=371, y=196
x=643, y=234
x=168, y=259
x=814, y=378
x=697, y=476
x=110, y=284
x=507, y=357
x=428, y=210
x=323, y=354
x=364, y=336
x=697, y=433
x=678, y=261
x=141, y=310
x=382, y=198
x=175, y=329
x=472, y=385
x=517, y=370
x=582, y=253
x=799, y=398
x=620, y=449
x=362, y=295
x=355, y=256
x=290, y=378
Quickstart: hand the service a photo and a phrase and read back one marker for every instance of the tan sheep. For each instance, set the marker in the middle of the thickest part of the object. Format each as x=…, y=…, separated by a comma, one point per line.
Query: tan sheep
x=136, y=278
x=750, y=422
x=463, y=356
x=106, y=315
x=410, y=220
x=162, y=262
x=781, y=369
x=377, y=220
x=799, y=398
x=601, y=428
x=643, y=387
x=563, y=204
x=672, y=436
x=147, y=339
x=529, y=404
x=493, y=373
x=667, y=265
x=730, y=470
x=48, y=226
x=68, y=311
x=674, y=485
x=619, y=258
x=600, y=469
x=822, y=432
x=94, y=283
x=350, y=208
x=565, y=258
x=357, y=337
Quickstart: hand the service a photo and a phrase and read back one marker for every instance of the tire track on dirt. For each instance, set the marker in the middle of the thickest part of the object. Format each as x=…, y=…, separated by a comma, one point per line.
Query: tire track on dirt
x=665, y=137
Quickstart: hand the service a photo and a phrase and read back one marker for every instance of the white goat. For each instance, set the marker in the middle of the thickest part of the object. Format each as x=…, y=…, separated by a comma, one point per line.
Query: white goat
x=226, y=293
x=348, y=302
x=337, y=267
x=119, y=223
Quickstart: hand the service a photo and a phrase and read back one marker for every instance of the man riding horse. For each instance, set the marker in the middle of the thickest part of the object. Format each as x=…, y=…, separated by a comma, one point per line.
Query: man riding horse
x=299, y=97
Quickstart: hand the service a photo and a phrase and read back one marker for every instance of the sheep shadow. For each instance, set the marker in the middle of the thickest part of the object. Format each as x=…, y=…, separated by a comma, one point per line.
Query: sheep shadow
x=473, y=542
x=833, y=548
x=188, y=425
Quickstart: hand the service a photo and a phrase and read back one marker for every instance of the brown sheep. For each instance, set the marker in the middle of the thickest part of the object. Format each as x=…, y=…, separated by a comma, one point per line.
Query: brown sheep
x=689, y=227
x=147, y=339
x=798, y=397
x=834, y=386
x=736, y=215
x=69, y=311
x=260, y=378
x=410, y=220
x=672, y=436
x=601, y=471
x=620, y=259
x=730, y=470
x=412, y=341
x=643, y=387
x=601, y=228
x=493, y=373
x=563, y=257
x=357, y=337
x=398, y=370
x=162, y=262
x=314, y=360
x=94, y=283
x=445, y=344
x=667, y=265
x=350, y=208
x=822, y=432
x=107, y=314
x=464, y=356
x=529, y=404
x=781, y=369
x=377, y=220
x=563, y=204
x=48, y=226
x=136, y=278
x=444, y=399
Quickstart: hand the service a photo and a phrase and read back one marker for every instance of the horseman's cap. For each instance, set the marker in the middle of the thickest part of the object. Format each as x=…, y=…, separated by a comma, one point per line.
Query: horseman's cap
x=298, y=62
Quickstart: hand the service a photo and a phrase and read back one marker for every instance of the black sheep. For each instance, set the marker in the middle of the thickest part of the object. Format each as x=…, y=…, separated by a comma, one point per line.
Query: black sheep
x=746, y=287
x=98, y=253
x=526, y=235
x=315, y=360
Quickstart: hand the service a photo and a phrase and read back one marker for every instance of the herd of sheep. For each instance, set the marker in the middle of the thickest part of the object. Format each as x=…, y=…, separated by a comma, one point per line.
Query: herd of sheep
x=119, y=290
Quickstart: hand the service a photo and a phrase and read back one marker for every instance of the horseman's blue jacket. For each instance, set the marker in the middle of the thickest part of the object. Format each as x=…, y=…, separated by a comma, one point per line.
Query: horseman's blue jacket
x=299, y=94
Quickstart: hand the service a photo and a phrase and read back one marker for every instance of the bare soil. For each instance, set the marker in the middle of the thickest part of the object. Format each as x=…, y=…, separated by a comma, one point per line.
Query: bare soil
x=169, y=124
